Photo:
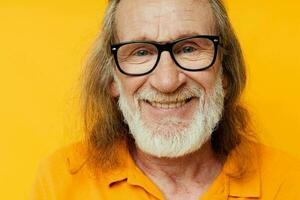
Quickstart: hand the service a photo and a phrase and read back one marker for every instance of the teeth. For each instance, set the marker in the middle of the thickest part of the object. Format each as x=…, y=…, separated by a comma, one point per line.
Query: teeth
x=167, y=105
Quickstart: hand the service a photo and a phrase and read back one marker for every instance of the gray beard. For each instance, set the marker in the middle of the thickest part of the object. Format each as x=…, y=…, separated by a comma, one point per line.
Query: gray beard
x=173, y=137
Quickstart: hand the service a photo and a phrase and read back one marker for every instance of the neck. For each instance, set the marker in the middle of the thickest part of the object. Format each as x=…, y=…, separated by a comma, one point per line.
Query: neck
x=199, y=168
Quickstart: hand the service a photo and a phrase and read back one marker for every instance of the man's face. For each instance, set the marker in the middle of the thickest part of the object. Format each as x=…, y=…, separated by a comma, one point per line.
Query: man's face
x=169, y=103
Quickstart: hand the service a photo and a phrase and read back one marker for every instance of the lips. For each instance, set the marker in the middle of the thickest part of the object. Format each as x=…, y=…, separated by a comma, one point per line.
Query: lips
x=168, y=104
x=158, y=110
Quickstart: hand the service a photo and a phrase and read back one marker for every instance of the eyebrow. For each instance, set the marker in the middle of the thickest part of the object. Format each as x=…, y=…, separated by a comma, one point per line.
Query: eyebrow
x=185, y=35
x=176, y=37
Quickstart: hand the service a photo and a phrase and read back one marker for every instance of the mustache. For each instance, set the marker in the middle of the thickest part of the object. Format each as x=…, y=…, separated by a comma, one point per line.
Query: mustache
x=182, y=94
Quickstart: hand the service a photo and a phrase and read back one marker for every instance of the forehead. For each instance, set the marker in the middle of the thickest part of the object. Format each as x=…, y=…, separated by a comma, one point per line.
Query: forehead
x=163, y=20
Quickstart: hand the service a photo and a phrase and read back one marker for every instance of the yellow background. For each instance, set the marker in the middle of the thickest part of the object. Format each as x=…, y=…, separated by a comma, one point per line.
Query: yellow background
x=43, y=45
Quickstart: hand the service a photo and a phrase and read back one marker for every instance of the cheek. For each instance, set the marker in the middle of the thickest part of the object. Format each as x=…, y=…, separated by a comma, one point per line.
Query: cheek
x=205, y=79
x=132, y=84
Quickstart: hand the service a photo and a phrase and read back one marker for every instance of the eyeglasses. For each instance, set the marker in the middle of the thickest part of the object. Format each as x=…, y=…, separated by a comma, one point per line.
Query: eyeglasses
x=137, y=58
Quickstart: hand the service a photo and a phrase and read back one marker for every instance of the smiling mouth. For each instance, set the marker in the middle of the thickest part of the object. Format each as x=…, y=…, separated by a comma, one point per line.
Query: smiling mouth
x=170, y=104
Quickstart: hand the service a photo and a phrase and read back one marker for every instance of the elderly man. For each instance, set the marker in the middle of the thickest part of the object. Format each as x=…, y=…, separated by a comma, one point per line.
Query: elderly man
x=163, y=118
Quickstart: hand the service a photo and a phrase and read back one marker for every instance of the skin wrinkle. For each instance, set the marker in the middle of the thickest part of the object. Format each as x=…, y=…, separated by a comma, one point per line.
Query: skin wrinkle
x=166, y=164
x=103, y=122
x=164, y=12
x=177, y=182
x=159, y=21
x=171, y=174
x=129, y=116
x=185, y=16
x=189, y=9
x=176, y=177
x=136, y=28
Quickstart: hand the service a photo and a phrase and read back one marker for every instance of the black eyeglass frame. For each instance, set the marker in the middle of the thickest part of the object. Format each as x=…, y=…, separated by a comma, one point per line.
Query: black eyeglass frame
x=165, y=47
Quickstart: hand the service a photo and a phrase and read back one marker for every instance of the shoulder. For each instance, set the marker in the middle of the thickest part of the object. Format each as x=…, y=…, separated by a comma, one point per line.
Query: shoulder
x=65, y=160
x=280, y=173
x=62, y=171
x=277, y=161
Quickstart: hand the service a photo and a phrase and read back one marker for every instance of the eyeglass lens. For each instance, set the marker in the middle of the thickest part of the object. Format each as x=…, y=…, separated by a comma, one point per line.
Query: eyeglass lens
x=138, y=58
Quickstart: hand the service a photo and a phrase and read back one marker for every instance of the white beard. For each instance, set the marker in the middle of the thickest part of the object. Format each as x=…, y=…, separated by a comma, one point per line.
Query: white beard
x=174, y=137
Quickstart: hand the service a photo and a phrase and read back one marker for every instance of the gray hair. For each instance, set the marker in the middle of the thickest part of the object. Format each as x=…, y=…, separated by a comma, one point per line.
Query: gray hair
x=103, y=122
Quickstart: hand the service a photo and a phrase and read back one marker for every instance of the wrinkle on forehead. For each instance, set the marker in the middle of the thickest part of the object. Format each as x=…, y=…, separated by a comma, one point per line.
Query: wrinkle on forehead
x=163, y=20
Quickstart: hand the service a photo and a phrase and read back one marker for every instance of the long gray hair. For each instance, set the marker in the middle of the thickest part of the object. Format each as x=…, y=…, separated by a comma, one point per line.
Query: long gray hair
x=103, y=122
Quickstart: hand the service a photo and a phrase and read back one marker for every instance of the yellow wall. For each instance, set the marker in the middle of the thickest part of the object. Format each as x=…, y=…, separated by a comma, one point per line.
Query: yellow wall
x=269, y=32
x=42, y=48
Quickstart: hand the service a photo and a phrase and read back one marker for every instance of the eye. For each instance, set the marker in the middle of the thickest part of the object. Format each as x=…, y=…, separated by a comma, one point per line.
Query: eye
x=142, y=52
x=185, y=48
x=188, y=49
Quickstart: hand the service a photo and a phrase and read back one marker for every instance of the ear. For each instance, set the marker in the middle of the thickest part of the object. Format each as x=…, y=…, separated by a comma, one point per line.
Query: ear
x=114, y=89
x=224, y=82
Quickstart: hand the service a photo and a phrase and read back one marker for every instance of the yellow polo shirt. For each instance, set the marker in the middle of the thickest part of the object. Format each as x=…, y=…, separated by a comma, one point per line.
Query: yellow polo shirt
x=277, y=177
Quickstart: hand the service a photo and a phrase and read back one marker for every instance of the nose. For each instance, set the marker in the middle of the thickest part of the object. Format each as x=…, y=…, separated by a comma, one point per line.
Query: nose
x=167, y=77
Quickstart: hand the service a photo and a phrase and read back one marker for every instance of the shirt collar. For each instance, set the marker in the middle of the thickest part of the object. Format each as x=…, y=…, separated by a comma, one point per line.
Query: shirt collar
x=121, y=172
x=128, y=171
x=247, y=186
